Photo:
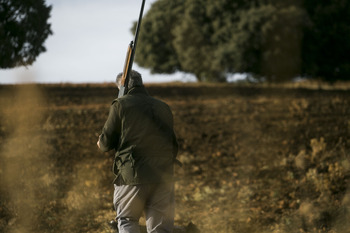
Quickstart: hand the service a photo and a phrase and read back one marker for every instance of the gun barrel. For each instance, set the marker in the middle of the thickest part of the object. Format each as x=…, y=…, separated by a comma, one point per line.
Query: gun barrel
x=139, y=23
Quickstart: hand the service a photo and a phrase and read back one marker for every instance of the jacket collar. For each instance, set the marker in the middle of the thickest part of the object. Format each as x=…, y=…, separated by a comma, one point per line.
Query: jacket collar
x=137, y=90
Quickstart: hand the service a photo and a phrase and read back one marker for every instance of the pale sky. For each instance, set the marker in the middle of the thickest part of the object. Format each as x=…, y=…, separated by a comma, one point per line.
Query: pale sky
x=88, y=45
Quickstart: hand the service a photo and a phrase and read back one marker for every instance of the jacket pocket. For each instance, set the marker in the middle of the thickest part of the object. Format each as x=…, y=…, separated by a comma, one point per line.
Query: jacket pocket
x=124, y=165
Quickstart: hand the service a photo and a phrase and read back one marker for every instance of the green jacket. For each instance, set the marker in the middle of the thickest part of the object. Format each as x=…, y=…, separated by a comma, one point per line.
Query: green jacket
x=140, y=129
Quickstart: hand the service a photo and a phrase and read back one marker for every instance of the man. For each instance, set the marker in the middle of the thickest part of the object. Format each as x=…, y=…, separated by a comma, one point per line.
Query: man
x=140, y=129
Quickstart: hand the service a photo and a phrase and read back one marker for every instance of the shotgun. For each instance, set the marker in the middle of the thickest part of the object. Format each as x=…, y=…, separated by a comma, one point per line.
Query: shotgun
x=130, y=57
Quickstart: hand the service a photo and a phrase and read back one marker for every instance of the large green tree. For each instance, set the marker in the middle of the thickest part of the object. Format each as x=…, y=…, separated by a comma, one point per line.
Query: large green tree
x=202, y=36
x=326, y=44
x=266, y=41
x=182, y=35
x=24, y=28
x=271, y=39
x=155, y=48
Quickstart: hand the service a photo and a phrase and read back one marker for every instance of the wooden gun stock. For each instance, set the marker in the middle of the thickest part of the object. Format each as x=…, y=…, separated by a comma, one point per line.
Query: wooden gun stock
x=125, y=77
x=130, y=57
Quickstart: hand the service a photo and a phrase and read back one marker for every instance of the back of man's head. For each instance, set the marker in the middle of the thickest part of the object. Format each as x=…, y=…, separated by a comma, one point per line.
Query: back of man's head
x=135, y=79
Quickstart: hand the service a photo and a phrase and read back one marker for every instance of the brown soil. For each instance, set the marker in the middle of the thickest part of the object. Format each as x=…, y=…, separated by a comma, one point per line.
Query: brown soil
x=255, y=159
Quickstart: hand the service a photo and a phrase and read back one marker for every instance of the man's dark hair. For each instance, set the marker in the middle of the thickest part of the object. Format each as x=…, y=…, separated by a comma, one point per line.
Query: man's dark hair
x=135, y=79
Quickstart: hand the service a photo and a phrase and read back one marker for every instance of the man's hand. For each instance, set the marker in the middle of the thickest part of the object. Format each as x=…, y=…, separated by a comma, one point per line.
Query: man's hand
x=98, y=140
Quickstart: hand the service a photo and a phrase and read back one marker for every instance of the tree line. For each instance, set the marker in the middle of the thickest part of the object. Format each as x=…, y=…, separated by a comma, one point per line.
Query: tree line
x=272, y=40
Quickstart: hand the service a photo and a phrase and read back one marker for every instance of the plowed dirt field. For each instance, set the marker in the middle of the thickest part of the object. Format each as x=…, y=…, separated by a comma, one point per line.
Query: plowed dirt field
x=255, y=158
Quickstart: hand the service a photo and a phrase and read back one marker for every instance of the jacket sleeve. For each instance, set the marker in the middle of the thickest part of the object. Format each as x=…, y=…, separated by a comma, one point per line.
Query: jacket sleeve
x=111, y=131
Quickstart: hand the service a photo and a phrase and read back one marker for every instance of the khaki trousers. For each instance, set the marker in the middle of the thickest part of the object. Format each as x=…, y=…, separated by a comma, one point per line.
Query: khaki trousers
x=155, y=200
